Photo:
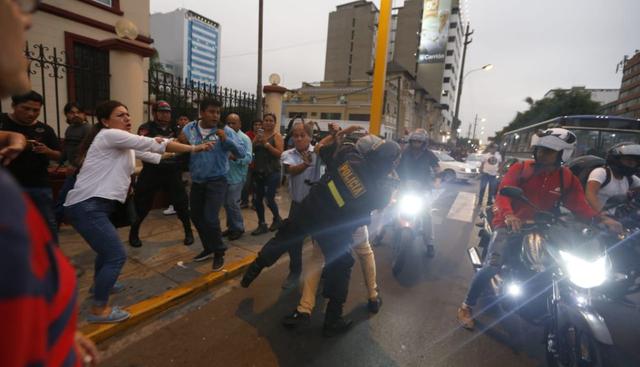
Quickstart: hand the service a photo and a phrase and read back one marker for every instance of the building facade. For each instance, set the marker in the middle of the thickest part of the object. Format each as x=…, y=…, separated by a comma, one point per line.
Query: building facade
x=188, y=45
x=89, y=51
x=351, y=41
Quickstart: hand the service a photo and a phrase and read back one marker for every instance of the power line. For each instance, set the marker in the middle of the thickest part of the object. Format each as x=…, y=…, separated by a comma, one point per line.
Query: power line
x=276, y=49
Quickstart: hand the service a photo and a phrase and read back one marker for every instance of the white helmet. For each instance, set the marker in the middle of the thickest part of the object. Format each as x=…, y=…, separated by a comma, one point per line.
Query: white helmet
x=556, y=139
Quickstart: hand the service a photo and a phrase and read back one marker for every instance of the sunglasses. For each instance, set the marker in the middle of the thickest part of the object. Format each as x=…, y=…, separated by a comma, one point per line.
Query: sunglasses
x=28, y=6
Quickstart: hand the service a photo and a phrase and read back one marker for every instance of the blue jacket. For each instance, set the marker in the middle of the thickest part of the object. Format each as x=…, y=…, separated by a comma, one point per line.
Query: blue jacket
x=238, y=168
x=214, y=164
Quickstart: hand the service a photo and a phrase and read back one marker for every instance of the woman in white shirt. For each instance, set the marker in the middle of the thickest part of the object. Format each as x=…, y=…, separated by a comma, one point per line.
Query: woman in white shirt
x=617, y=178
x=107, y=162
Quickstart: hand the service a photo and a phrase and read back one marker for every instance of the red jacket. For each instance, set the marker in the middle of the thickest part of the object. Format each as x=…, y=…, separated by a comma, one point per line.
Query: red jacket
x=543, y=190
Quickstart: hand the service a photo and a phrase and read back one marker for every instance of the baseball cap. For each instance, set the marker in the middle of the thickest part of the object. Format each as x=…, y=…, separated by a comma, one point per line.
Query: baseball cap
x=163, y=106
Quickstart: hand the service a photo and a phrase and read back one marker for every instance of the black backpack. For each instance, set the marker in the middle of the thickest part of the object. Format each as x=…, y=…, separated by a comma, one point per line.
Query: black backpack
x=583, y=166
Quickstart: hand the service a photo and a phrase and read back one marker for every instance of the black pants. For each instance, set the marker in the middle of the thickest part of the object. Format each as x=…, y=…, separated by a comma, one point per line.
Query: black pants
x=168, y=179
x=295, y=251
x=333, y=231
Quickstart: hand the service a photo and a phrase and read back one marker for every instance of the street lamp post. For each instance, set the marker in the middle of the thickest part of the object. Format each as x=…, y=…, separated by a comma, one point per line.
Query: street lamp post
x=486, y=67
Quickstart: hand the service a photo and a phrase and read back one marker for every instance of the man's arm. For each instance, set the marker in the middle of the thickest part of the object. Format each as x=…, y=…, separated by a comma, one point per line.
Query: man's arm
x=503, y=203
x=51, y=146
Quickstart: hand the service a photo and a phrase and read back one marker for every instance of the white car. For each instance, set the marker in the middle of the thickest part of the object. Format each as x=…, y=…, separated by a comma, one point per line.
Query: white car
x=454, y=170
x=475, y=159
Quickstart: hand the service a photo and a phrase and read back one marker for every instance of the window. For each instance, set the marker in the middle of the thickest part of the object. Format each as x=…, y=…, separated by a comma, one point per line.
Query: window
x=448, y=66
x=446, y=80
x=330, y=116
x=359, y=117
x=353, y=22
x=449, y=52
x=90, y=75
x=451, y=39
x=453, y=24
x=108, y=3
x=297, y=114
x=112, y=6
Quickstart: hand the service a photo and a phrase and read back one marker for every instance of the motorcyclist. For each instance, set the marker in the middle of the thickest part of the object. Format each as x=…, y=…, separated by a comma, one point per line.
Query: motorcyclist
x=617, y=177
x=419, y=164
x=546, y=183
x=355, y=184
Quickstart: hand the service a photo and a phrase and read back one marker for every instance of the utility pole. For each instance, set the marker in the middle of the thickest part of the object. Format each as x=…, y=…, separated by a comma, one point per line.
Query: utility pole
x=467, y=41
x=399, y=124
x=469, y=132
x=259, y=88
x=475, y=123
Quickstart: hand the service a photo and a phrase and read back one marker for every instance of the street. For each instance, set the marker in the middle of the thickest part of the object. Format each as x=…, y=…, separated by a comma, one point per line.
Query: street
x=416, y=325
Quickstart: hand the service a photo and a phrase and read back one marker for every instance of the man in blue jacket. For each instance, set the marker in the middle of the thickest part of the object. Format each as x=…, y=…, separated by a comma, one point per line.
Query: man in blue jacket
x=208, y=176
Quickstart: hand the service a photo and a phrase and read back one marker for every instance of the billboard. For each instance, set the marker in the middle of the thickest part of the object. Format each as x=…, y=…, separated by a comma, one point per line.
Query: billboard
x=435, y=31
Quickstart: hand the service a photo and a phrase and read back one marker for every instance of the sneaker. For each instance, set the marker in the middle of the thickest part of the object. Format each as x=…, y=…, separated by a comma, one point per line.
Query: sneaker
x=204, y=255
x=134, y=240
x=225, y=233
x=250, y=274
x=188, y=238
x=296, y=319
x=337, y=327
x=169, y=211
x=218, y=262
x=275, y=225
x=235, y=235
x=374, y=304
x=262, y=229
x=465, y=317
x=292, y=281
x=244, y=206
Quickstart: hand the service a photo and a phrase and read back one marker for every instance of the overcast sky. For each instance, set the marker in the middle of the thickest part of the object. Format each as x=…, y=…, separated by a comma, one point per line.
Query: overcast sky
x=534, y=45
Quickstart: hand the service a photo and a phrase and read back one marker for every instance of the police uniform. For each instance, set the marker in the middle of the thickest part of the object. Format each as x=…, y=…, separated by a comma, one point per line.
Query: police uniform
x=163, y=176
x=336, y=206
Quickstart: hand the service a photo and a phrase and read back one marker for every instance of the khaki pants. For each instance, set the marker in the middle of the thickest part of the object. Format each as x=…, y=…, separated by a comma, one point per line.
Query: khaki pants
x=313, y=270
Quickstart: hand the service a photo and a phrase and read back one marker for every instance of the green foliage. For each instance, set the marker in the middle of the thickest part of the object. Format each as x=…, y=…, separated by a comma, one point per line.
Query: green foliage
x=563, y=103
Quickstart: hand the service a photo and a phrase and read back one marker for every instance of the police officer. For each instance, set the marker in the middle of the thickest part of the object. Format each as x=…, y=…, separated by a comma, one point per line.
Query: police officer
x=355, y=184
x=163, y=176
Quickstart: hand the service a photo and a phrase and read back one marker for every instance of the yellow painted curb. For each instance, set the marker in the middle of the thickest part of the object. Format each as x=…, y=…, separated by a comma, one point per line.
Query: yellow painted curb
x=152, y=306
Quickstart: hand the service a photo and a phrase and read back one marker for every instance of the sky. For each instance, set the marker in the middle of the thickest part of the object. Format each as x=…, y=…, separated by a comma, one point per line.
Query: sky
x=534, y=46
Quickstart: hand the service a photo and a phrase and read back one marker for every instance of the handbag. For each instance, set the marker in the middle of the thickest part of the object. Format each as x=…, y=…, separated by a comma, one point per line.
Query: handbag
x=124, y=214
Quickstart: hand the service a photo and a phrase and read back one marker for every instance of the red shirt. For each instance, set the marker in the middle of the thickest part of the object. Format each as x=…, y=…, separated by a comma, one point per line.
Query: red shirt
x=37, y=288
x=543, y=190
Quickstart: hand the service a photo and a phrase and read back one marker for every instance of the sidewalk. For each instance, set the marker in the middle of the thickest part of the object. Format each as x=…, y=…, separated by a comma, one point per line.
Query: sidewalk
x=163, y=263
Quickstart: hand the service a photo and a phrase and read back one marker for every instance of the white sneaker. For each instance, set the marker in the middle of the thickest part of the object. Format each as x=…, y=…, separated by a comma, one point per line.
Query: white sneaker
x=169, y=211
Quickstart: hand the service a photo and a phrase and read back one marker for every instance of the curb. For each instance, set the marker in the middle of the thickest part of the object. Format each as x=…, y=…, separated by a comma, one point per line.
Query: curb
x=173, y=297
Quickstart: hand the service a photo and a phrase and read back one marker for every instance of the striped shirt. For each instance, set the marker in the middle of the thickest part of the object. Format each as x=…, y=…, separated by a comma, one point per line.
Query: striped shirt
x=37, y=287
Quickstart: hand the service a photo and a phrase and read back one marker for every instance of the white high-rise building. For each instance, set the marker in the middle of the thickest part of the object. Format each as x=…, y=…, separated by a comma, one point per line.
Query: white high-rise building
x=188, y=44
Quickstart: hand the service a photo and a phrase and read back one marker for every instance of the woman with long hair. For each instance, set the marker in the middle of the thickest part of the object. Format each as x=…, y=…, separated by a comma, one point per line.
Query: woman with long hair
x=107, y=160
x=267, y=148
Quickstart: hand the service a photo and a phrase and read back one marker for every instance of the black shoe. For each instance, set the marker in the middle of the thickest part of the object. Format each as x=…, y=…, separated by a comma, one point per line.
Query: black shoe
x=188, y=237
x=134, y=240
x=374, y=305
x=336, y=327
x=277, y=222
x=235, y=235
x=244, y=206
x=226, y=233
x=292, y=281
x=204, y=255
x=250, y=274
x=431, y=251
x=262, y=229
x=296, y=319
x=218, y=262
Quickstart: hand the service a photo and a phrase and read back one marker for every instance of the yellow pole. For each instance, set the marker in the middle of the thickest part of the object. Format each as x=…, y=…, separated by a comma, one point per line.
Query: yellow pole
x=380, y=66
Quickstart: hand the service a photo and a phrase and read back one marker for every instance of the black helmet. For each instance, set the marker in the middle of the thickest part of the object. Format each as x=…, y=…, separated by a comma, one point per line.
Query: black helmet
x=623, y=150
x=383, y=156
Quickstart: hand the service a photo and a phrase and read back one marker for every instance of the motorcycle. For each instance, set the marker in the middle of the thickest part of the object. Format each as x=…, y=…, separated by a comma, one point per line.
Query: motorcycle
x=560, y=268
x=410, y=207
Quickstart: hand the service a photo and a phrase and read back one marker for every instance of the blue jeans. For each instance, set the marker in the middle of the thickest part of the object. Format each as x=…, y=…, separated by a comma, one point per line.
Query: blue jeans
x=235, y=223
x=492, y=182
x=503, y=247
x=206, y=200
x=266, y=187
x=91, y=219
x=68, y=184
x=42, y=197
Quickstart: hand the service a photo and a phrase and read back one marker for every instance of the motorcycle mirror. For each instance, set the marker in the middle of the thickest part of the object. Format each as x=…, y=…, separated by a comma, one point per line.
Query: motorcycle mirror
x=615, y=201
x=512, y=192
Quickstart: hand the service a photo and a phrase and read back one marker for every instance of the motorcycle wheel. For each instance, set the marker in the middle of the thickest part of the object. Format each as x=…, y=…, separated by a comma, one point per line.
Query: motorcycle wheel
x=578, y=348
x=404, y=240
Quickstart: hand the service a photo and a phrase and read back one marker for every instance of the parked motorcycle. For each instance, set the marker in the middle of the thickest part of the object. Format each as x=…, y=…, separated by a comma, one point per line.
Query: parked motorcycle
x=560, y=267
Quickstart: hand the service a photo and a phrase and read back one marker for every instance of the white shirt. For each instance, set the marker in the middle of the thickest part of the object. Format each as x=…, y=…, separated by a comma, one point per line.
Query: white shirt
x=297, y=186
x=491, y=165
x=614, y=187
x=109, y=164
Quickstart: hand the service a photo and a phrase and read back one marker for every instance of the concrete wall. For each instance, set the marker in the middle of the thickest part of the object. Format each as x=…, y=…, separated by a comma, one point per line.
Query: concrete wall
x=407, y=34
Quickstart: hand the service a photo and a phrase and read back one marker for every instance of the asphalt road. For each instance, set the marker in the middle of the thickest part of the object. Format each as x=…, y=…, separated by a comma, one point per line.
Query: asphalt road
x=232, y=326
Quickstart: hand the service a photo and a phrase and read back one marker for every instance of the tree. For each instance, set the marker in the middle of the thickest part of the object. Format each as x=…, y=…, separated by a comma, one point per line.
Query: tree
x=563, y=103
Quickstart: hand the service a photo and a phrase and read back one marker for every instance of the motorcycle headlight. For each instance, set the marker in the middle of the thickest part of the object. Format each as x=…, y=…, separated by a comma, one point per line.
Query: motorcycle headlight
x=585, y=274
x=410, y=204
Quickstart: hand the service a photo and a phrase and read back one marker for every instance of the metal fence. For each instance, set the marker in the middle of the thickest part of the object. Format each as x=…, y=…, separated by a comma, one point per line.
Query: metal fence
x=184, y=95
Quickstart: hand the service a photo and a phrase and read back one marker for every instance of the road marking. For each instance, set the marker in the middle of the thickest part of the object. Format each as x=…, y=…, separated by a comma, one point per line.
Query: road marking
x=462, y=208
